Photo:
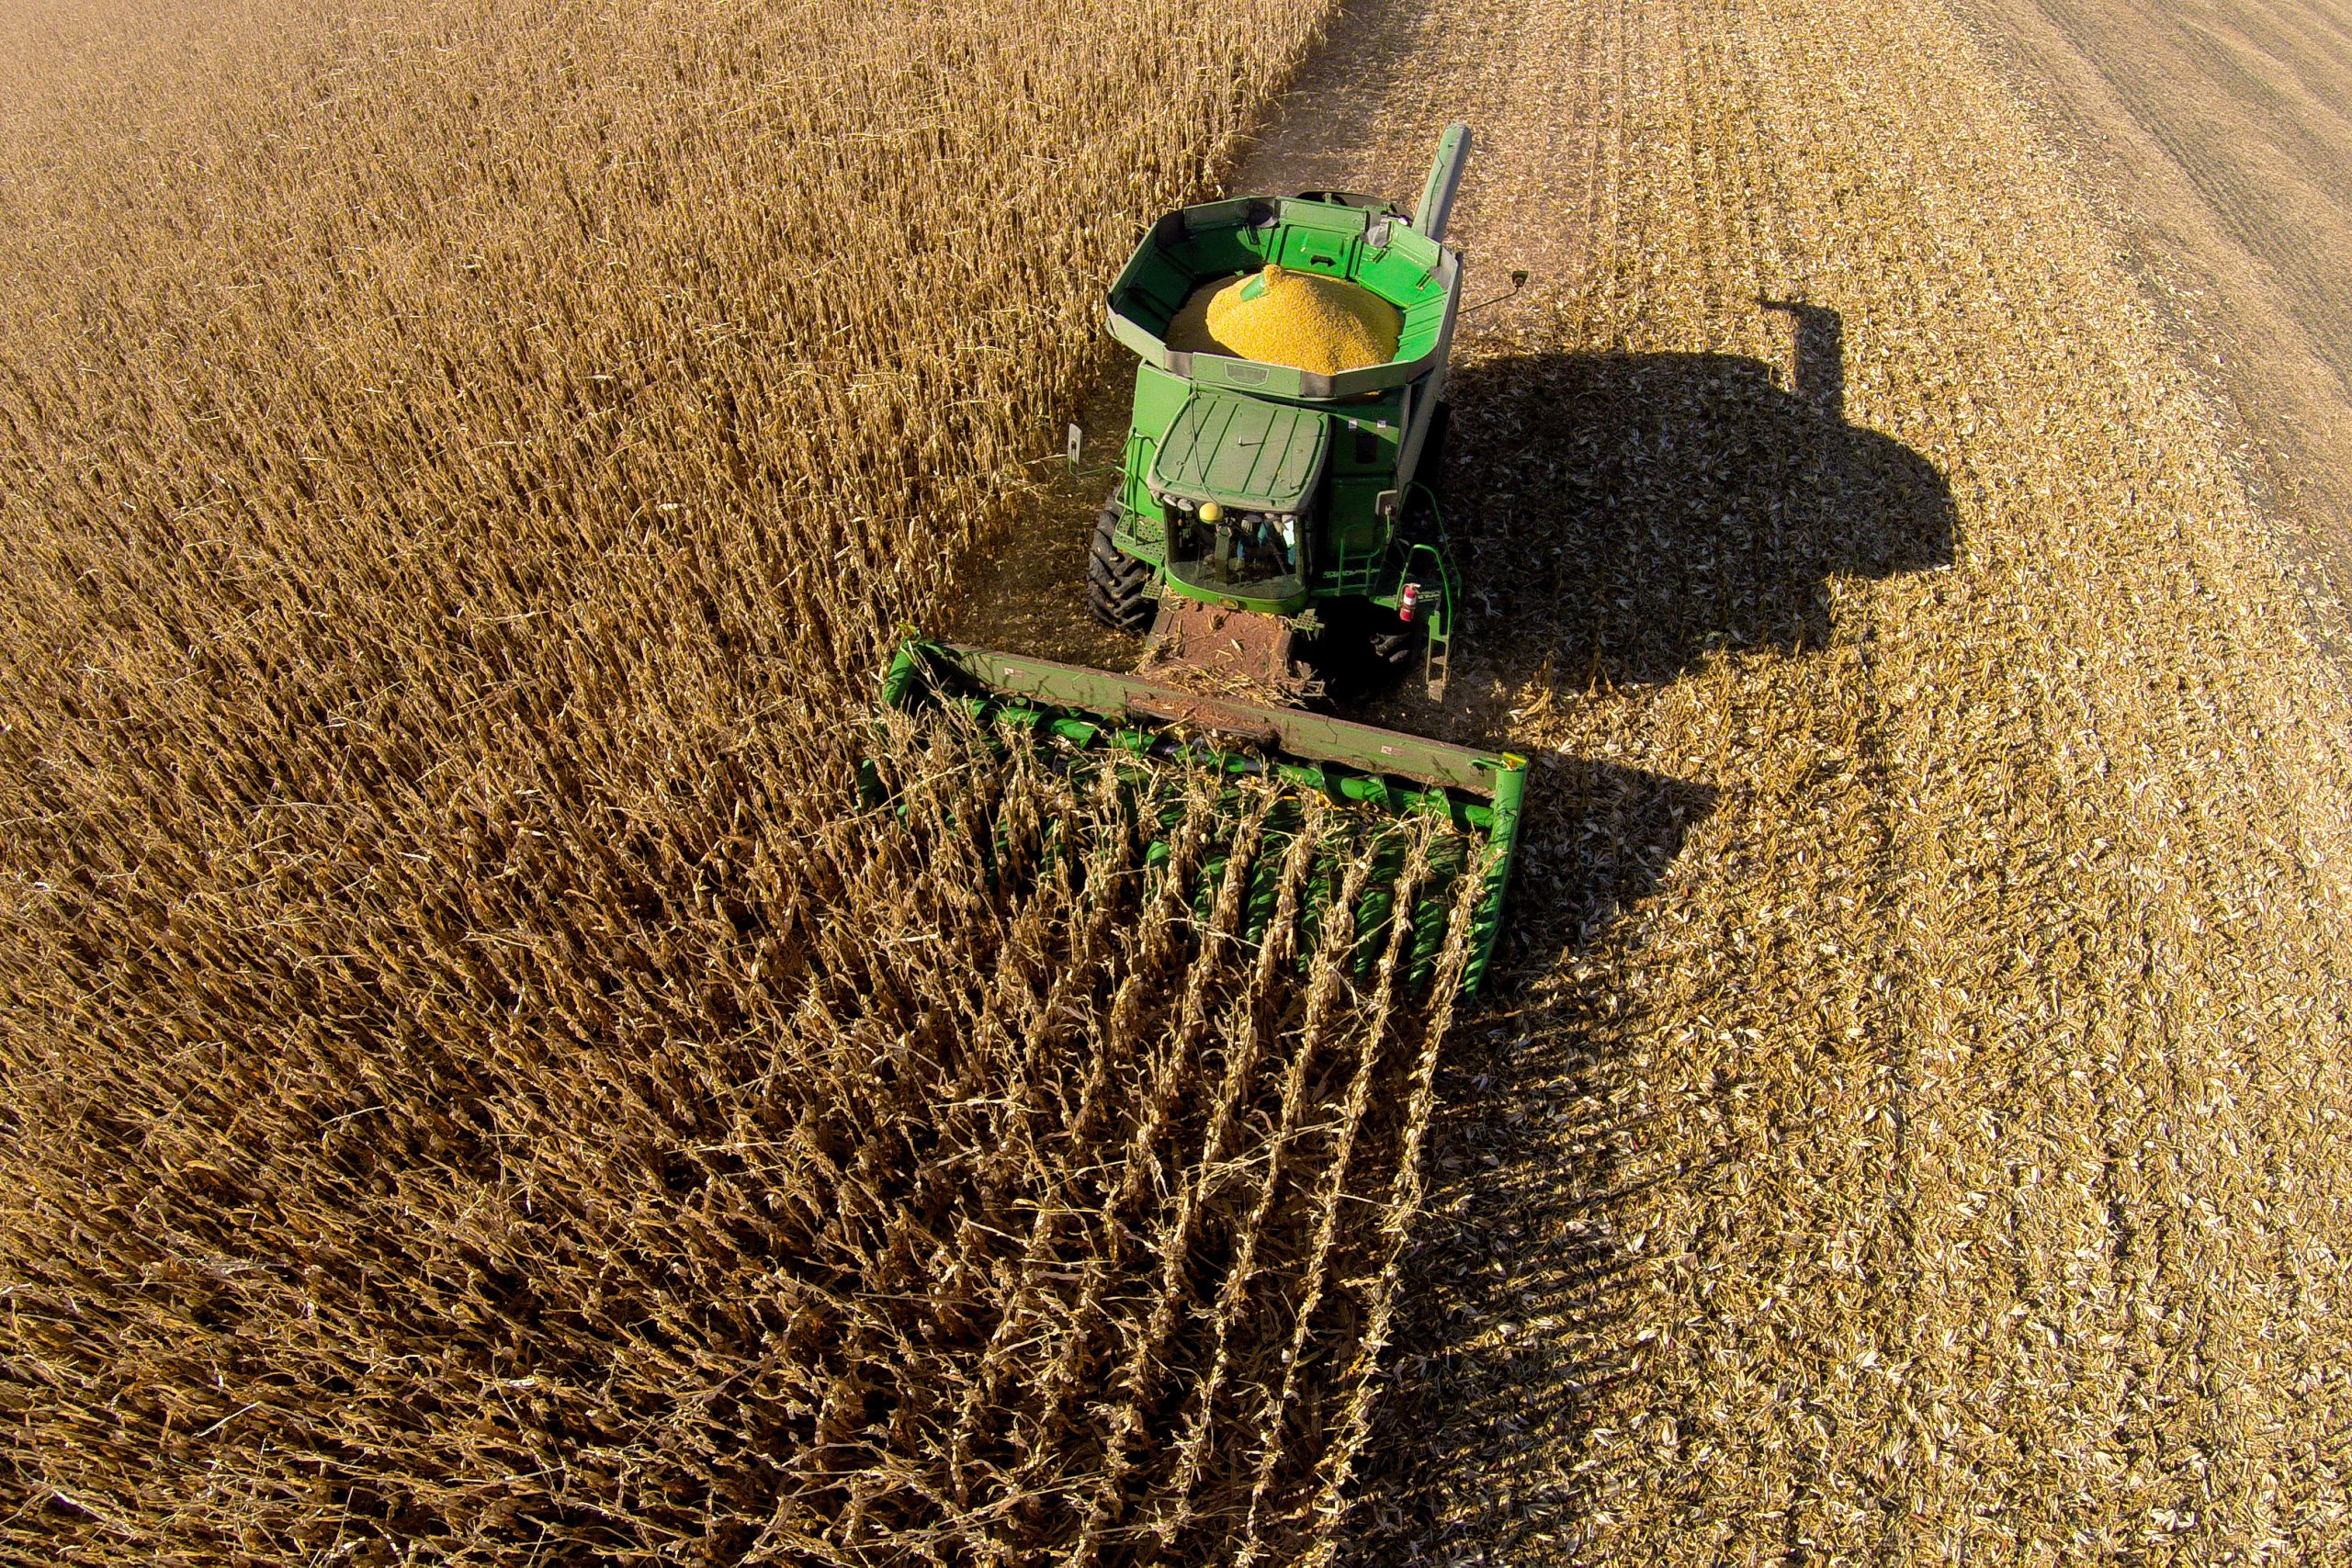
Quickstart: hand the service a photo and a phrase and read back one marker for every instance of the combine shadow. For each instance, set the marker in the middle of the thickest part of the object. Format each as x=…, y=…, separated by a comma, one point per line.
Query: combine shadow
x=1618, y=518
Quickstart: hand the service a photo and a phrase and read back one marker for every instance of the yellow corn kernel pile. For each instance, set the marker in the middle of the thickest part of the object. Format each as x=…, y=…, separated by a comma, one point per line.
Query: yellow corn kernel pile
x=1281, y=317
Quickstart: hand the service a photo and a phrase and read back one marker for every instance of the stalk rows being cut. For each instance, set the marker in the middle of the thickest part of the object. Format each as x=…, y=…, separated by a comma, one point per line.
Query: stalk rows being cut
x=478, y=1084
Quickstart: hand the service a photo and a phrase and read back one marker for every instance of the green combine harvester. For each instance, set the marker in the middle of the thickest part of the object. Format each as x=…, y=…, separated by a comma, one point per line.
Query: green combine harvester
x=1270, y=520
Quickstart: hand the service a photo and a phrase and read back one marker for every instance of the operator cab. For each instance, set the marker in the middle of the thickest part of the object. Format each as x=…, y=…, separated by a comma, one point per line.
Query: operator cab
x=1237, y=479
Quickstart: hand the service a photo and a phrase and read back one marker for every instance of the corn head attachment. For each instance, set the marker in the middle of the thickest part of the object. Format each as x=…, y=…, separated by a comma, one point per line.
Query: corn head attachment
x=1416, y=817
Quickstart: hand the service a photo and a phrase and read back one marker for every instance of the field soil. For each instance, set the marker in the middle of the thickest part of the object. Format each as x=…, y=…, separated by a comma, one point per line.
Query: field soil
x=1912, y=1127
x=2215, y=140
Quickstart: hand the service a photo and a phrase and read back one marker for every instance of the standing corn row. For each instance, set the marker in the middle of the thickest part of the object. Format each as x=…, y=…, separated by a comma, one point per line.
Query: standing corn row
x=472, y=1083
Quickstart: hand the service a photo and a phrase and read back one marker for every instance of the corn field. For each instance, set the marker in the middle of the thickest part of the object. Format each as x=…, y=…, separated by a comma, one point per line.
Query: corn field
x=476, y=1086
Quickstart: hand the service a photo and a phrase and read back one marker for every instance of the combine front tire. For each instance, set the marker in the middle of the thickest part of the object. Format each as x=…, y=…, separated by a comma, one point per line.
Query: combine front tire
x=1115, y=580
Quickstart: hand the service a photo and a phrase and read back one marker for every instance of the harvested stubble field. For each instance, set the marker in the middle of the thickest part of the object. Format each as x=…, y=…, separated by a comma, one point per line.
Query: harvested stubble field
x=472, y=1081
x=2216, y=140
x=1919, y=1134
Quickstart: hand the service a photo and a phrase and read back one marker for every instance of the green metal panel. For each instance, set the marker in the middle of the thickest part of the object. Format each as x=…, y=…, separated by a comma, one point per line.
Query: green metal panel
x=1243, y=452
x=1365, y=438
x=1159, y=397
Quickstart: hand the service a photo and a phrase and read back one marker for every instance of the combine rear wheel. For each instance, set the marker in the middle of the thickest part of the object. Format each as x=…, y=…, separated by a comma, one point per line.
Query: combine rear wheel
x=1115, y=580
